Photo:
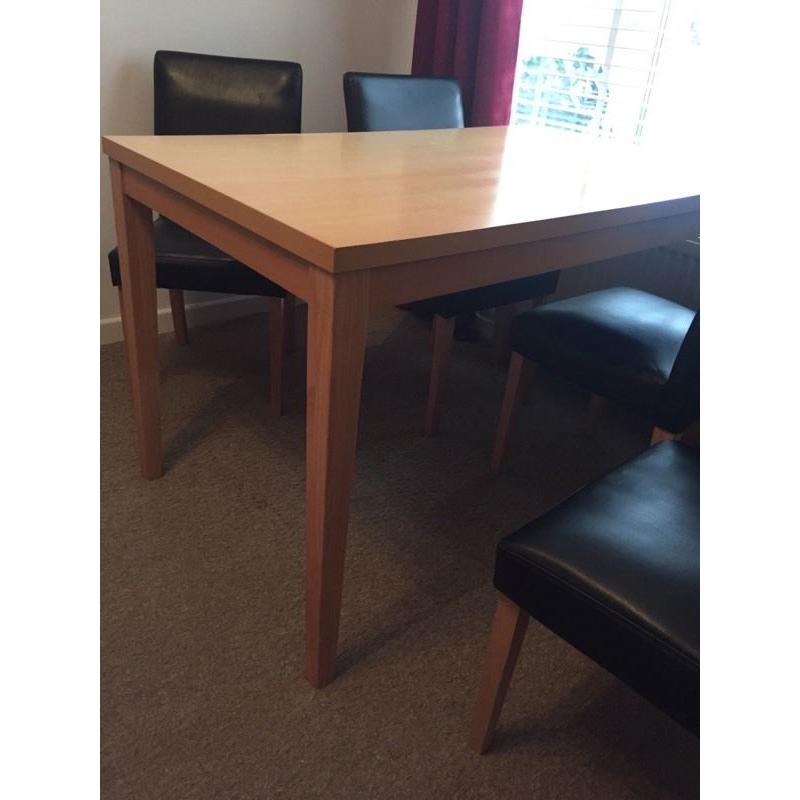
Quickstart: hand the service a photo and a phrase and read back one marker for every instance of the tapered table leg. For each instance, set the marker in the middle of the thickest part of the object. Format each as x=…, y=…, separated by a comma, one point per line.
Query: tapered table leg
x=337, y=330
x=139, y=319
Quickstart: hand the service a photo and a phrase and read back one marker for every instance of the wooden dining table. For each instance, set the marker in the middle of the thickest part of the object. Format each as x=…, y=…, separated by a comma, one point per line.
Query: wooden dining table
x=354, y=221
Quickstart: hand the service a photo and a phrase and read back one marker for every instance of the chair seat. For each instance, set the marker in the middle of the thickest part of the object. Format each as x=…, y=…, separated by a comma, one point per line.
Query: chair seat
x=615, y=571
x=500, y=294
x=620, y=343
x=184, y=261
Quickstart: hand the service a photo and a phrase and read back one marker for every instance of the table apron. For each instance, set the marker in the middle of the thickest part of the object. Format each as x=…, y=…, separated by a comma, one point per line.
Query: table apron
x=420, y=280
x=265, y=258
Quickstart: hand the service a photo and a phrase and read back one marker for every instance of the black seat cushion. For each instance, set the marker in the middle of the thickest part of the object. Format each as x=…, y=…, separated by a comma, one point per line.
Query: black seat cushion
x=620, y=343
x=615, y=571
x=679, y=403
x=183, y=261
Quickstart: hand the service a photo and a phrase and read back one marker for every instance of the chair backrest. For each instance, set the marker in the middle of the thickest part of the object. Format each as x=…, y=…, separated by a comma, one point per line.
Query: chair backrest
x=201, y=94
x=679, y=405
x=377, y=102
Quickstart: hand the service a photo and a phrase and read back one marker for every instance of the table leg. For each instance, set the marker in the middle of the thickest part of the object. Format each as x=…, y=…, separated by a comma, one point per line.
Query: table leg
x=337, y=330
x=139, y=320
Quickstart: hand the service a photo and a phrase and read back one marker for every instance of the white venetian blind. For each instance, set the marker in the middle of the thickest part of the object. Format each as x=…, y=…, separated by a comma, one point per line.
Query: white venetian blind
x=623, y=69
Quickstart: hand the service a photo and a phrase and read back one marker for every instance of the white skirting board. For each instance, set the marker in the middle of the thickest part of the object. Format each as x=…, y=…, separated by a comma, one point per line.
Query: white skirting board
x=205, y=312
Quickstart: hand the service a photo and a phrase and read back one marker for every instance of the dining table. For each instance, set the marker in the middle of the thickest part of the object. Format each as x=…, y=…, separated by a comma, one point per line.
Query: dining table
x=350, y=222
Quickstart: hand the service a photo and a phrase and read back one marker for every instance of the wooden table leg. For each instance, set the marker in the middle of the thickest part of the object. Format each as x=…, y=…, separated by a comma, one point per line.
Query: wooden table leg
x=137, y=266
x=337, y=330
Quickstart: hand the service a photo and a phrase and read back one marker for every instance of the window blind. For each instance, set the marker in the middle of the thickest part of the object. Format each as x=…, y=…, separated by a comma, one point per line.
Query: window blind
x=623, y=69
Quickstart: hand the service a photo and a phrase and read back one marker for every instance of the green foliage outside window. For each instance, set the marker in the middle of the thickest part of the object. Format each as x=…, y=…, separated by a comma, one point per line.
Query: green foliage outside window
x=562, y=92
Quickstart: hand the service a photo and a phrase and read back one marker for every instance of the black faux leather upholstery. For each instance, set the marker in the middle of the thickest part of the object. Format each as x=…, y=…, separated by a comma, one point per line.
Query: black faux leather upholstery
x=679, y=404
x=185, y=262
x=203, y=95
x=377, y=102
x=615, y=571
x=623, y=344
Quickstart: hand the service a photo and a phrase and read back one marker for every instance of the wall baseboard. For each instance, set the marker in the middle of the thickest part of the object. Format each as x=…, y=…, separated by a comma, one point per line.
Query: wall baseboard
x=206, y=312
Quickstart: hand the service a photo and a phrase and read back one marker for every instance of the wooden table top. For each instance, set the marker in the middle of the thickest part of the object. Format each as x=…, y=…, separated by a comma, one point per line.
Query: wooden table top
x=356, y=200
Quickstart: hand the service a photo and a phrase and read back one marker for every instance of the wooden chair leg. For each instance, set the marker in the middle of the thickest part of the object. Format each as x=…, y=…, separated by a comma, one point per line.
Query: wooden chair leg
x=661, y=435
x=276, y=349
x=597, y=405
x=505, y=640
x=178, y=307
x=442, y=345
x=518, y=375
x=288, y=323
x=503, y=315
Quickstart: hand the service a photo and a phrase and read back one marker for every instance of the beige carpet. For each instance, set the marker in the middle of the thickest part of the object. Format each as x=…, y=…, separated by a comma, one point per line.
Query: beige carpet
x=202, y=629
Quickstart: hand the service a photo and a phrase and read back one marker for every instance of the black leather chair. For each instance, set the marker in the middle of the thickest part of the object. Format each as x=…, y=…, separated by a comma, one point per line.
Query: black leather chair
x=204, y=94
x=621, y=344
x=615, y=571
x=377, y=102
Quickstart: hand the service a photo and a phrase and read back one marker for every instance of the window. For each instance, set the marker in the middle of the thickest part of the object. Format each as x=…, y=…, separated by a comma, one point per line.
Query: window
x=622, y=69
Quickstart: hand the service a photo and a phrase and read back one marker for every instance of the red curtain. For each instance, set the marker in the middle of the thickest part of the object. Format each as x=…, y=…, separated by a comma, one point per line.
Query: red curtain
x=476, y=42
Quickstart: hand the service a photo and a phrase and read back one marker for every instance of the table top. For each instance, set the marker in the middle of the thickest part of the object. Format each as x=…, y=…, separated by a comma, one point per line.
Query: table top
x=360, y=200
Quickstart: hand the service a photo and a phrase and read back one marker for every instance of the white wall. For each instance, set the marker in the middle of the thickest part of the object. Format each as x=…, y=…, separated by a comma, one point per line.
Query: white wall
x=328, y=37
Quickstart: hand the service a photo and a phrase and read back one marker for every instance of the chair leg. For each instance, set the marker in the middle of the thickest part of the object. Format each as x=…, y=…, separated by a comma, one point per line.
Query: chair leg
x=661, y=435
x=288, y=323
x=518, y=374
x=505, y=640
x=276, y=349
x=503, y=315
x=597, y=405
x=178, y=307
x=442, y=345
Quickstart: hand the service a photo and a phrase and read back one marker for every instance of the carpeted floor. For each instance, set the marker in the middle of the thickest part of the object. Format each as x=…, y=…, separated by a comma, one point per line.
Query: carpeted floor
x=202, y=622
